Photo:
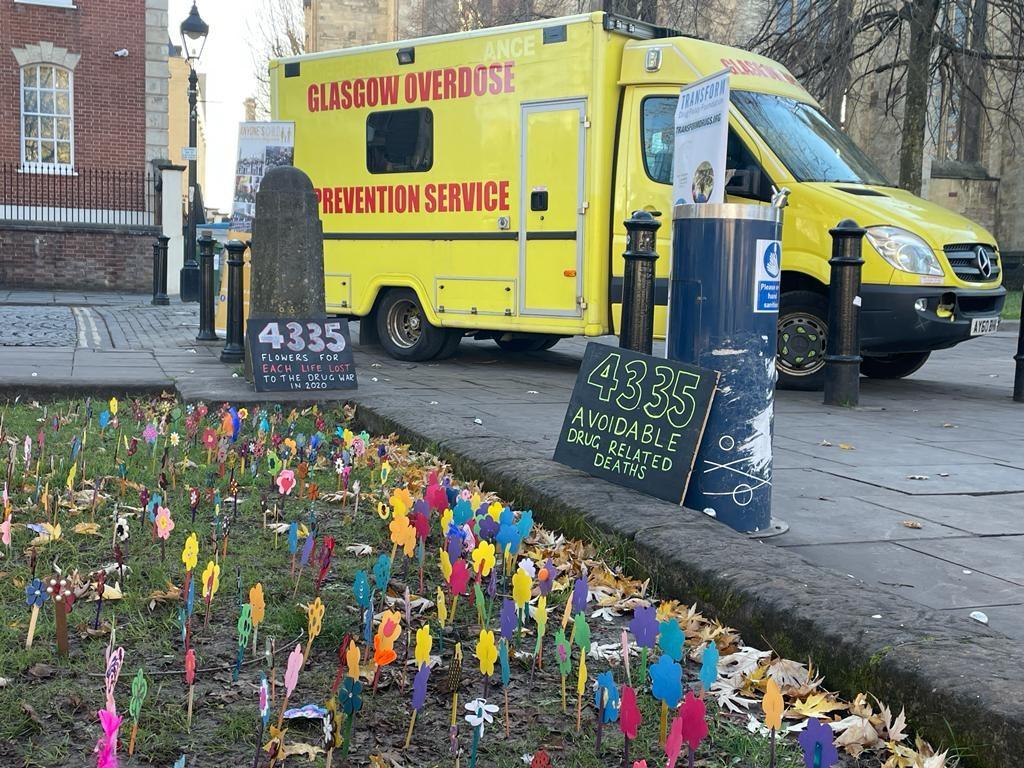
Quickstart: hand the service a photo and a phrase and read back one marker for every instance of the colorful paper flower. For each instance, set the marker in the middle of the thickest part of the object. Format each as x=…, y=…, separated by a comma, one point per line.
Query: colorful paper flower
x=772, y=704
x=483, y=558
x=580, y=595
x=190, y=552
x=264, y=699
x=424, y=642
x=211, y=580
x=149, y=434
x=459, y=577
x=670, y=639
x=285, y=481
x=350, y=695
x=164, y=523
x=816, y=741
x=644, y=626
x=521, y=586
x=581, y=633
x=609, y=692
x=629, y=713
x=666, y=681
x=35, y=594
x=508, y=618
x=546, y=577
x=486, y=652
x=694, y=717
x=419, y=687
x=480, y=713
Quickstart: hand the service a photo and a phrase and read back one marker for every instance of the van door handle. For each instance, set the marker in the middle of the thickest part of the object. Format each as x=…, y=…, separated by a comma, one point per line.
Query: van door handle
x=651, y=210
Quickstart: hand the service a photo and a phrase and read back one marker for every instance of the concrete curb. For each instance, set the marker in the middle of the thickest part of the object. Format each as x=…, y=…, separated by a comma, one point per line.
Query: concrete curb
x=960, y=682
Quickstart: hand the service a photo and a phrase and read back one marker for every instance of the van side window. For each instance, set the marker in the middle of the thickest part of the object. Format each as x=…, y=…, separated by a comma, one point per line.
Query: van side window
x=400, y=141
x=657, y=119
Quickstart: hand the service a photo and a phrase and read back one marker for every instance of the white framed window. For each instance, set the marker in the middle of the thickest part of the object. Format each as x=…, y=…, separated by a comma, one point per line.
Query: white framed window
x=47, y=118
x=53, y=3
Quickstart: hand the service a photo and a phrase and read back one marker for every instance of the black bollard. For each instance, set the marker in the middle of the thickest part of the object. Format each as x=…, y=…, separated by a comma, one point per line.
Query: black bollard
x=160, y=271
x=842, y=345
x=234, y=347
x=636, y=326
x=1018, y=377
x=206, y=332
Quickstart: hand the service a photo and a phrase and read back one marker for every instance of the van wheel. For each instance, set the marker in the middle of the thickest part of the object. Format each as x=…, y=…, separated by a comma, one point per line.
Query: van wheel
x=802, y=330
x=532, y=343
x=893, y=366
x=404, y=330
x=451, y=344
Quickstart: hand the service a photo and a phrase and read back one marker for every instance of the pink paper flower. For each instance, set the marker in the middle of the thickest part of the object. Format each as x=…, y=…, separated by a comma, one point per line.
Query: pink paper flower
x=106, y=747
x=164, y=523
x=286, y=481
x=5, y=530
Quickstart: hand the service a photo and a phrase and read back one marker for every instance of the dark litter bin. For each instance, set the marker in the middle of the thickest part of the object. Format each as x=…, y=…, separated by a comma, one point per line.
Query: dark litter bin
x=723, y=310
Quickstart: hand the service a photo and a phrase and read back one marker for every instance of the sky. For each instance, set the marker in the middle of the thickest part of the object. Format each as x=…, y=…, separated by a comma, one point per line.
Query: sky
x=227, y=62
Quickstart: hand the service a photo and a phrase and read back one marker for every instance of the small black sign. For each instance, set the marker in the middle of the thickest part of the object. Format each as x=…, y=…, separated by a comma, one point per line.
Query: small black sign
x=636, y=420
x=297, y=355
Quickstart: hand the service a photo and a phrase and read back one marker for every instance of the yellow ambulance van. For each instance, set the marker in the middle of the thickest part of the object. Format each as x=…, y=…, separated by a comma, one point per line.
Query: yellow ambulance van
x=476, y=184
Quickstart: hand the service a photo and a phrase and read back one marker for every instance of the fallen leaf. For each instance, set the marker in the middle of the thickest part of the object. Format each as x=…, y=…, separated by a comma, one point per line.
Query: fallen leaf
x=87, y=529
x=857, y=734
x=29, y=710
x=359, y=550
x=917, y=477
x=911, y=524
x=42, y=671
x=815, y=705
x=847, y=447
x=309, y=751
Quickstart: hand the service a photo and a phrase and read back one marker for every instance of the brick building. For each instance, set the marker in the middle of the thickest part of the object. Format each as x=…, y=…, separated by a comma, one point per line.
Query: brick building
x=83, y=117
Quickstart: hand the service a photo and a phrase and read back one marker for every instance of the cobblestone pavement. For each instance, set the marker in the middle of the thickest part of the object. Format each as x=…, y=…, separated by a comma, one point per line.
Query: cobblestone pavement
x=28, y=326
x=94, y=321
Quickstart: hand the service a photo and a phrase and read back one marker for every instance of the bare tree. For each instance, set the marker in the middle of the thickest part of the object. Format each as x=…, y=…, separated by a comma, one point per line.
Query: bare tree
x=972, y=51
x=276, y=28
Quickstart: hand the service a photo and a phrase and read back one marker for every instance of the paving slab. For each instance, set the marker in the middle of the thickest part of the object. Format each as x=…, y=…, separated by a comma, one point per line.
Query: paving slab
x=922, y=578
x=981, y=515
x=937, y=478
x=998, y=556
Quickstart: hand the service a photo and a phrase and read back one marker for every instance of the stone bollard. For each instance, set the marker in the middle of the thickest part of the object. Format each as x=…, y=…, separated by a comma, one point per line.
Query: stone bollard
x=287, y=259
x=206, y=331
x=636, y=324
x=1018, y=378
x=160, y=297
x=842, y=345
x=234, y=346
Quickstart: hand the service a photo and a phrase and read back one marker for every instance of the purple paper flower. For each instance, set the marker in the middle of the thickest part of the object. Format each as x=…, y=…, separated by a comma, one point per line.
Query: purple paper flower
x=149, y=433
x=644, y=626
x=509, y=618
x=580, y=593
x=487, y=527
x=548, y=575
x=419, y=687
x=816, y=741
x=307, y=549
x=492, y=584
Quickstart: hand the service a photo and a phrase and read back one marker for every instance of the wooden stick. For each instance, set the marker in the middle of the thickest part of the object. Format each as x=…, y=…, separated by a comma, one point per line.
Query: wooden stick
x=408, y=735
x=284, y=706
x=32, y=626
x=664, y=723
x=61, y=615
x=188, y=722
x=131, y=741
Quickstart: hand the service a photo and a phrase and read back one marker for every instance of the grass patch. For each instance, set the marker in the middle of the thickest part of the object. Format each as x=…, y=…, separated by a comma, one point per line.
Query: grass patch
x=1011, y=309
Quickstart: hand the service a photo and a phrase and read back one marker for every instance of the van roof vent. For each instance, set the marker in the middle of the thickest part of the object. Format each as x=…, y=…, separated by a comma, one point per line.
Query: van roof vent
x=862, y=191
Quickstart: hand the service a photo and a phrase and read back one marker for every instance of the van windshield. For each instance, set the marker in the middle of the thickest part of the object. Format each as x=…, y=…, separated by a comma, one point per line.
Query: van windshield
x=810, y=145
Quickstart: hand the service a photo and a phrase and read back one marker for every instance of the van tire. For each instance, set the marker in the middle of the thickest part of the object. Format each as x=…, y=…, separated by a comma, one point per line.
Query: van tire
x=896, y=366
x=532, y=343
x=451, y=344
x=803, y=318
x=405, y=333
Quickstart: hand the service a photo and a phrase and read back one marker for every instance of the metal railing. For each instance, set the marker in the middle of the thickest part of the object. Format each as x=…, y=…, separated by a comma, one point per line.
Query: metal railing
x=62, y=195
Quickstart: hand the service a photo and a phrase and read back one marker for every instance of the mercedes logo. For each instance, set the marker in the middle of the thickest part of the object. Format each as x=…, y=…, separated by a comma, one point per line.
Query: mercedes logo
x=983, y=259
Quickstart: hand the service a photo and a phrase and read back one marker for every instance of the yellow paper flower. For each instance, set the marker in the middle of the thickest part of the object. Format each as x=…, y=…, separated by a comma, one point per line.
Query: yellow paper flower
x=390, y=628
x=113, y=406
x=483, y=558
x=772, y=705
x=486, y=652
x=424, y=642
x=401, y=502
x=315, y=619
x=403, y=535
x=71, y=476
x=190, y=552
x=446, y=566
x=243, y=413
x=175, y=438
x=521, y=585
x=581, y=679
x=211, y=580
x=257, y=603
x=446, y=520
x=348, y=437
x=382, y=510
x=495, y=510
x=541, y=614
x=442, y=608
x=352, y=660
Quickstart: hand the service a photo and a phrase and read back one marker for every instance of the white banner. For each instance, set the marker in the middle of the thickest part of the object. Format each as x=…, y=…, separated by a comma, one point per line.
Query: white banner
x=261, y=146
x=702, y=132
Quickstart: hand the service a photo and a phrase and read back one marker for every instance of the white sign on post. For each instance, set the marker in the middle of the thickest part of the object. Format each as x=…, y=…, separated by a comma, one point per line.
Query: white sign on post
x=189, y=154
x=702, y=132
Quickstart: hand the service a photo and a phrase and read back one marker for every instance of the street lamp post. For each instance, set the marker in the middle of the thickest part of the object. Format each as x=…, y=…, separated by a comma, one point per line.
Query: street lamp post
x=193, y=35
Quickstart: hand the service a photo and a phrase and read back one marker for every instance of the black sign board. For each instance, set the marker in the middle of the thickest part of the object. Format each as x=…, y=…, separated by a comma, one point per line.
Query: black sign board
x=636, y=420
x=291, y=355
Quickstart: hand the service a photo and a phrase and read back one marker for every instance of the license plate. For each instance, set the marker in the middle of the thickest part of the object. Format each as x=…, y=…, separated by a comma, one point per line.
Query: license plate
x=983, y=325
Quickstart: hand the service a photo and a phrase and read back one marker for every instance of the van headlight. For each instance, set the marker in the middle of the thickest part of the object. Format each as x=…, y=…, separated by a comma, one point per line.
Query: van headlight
x=904, y=250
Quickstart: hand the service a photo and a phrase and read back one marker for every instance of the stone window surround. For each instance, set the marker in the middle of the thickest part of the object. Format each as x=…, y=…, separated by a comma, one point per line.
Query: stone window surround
x=46, y=53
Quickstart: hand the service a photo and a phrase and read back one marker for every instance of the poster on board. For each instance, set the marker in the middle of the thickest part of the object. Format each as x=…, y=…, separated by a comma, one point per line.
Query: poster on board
x=261, y=146
x=702, y=133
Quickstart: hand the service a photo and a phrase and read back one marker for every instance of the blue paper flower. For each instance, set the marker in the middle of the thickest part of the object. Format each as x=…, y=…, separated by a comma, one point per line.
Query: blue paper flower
x=667, y=681
x=670, y=638
x=607, y=690
x=382, y=572
x=709, y=666
x=350, y=696
x=35, y=594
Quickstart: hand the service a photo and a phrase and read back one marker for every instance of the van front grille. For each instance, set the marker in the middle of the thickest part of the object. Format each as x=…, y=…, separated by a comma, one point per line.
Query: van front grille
x=968, y=259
